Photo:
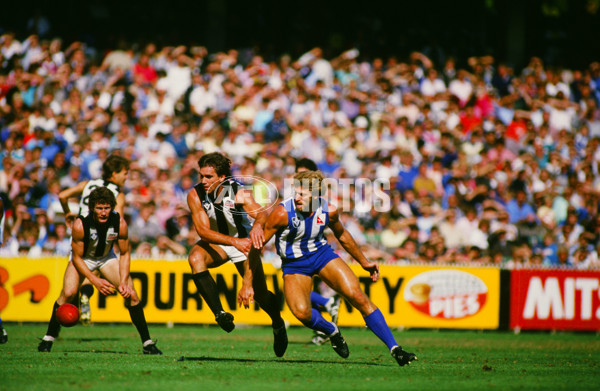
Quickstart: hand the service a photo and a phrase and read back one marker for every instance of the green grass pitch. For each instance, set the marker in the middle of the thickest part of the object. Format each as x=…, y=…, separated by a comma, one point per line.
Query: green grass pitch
x=109, y=357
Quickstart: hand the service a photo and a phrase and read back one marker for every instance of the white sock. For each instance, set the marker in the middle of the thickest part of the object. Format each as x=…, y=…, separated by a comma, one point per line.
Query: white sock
x=48, y=338
x=148, y=342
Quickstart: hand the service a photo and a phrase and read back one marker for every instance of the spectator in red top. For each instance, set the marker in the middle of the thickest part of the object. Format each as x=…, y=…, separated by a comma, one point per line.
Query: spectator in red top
x=469, y=119
x=144, y=69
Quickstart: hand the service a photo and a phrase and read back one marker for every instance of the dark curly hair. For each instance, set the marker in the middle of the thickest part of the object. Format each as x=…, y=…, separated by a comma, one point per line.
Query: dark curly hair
x=102, y=195
x=218, y=161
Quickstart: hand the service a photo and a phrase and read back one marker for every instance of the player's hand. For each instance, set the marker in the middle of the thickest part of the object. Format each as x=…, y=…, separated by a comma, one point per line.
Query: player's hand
x=125, y=290
x=373, y=269
x=257, y=235
x=243, y=245
x=246, y=296
x=103, y=286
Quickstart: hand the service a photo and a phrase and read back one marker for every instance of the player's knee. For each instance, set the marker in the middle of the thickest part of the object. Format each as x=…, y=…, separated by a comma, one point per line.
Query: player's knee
x=365, y=306
x=303, y=313
x=360, y=301
x=69, y=295
x=197, y=261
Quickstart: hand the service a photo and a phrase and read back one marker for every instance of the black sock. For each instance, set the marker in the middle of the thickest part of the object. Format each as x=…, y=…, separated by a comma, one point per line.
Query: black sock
x=53, y=325
x=269, y=305
x=87, y=290
x=139, y=320
x=208, y=289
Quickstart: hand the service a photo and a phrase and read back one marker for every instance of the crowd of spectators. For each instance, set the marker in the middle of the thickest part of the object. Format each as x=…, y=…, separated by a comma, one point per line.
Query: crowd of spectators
x=486, y=164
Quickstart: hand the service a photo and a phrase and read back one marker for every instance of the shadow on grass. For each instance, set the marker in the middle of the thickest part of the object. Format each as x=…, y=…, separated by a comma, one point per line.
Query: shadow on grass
x=284, y=361
x=93, y=351
x=75, y=340
x=99, y=339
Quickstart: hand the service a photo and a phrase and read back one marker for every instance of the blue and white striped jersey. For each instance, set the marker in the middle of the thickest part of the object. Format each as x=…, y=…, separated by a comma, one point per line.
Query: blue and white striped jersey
x=304, y=234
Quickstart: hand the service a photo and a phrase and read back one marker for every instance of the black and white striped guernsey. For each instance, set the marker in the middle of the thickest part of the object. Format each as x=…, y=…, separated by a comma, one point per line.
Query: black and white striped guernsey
x=225, y=216
x=98, y=239
x=87, y=190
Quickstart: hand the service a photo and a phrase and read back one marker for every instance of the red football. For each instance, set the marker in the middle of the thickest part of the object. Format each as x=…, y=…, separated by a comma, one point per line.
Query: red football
x=67, y=315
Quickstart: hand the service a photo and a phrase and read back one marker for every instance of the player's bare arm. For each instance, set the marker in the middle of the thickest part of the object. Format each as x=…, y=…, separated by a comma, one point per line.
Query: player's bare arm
x=77, y=245
x=256, y=211
x=202, y=225
x=244, y=197
x=124, y=260
x=120, y=207
x=71, y=192
x=349, y=244
x=246, y=293
x=276, y=220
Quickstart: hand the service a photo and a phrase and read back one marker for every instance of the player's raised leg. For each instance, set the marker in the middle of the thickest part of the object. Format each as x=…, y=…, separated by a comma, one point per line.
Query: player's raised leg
x=201, y=257
x=338, y=275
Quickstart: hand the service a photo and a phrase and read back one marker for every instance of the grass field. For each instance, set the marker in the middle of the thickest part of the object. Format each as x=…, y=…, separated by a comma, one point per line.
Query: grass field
x=109, y=357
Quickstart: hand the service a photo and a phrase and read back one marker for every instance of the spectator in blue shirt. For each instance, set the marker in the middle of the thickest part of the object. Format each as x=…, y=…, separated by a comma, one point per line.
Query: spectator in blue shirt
x=519, y=211
x=408, y=172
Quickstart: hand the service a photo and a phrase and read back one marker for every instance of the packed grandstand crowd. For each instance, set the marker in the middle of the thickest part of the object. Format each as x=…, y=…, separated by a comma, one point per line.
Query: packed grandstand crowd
x=484, y=164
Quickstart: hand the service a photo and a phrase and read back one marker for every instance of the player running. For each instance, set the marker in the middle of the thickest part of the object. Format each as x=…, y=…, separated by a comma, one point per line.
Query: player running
x=221, y=210
x=299, y=224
